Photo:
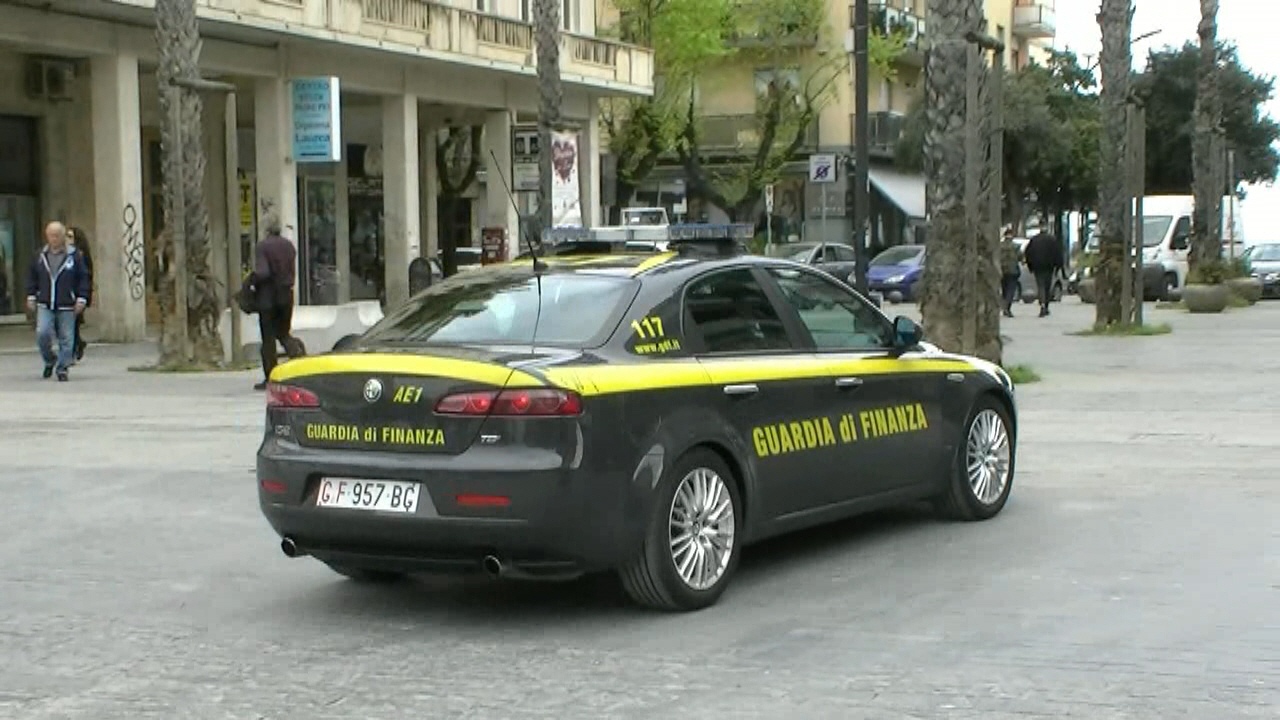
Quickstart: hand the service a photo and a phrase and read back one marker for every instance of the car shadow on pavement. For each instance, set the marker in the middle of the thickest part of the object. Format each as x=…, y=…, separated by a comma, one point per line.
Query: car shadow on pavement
x=766, y=568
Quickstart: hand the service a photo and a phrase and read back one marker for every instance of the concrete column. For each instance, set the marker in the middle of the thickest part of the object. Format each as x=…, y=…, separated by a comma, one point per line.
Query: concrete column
x=428, y=209
x=498, y=210
x=400, y=192
x=589, y=169
x=277, y=175
x=119, y=256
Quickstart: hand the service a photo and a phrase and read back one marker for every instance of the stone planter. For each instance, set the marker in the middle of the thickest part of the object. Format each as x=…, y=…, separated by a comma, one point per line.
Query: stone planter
x=1248, y=289
x=1088, y=291
x=1206, y=298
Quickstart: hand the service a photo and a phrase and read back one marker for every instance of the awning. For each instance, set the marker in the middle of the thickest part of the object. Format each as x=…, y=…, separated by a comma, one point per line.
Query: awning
x=905, y=190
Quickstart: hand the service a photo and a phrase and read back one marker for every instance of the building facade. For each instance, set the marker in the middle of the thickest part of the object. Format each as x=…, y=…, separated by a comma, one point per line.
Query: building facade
x=806, y=210
x=79, y=133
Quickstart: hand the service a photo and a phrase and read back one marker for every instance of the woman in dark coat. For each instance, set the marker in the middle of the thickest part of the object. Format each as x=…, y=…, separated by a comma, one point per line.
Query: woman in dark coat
x=80, y=239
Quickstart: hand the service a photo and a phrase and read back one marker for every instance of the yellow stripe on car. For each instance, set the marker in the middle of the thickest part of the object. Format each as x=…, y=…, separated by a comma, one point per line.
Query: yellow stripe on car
x=403, y=364
x=653, y=262
x=610, y=379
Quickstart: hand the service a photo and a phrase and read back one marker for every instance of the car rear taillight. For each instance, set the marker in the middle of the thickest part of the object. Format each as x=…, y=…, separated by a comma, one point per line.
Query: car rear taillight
x=536, y=402
x=290, y=396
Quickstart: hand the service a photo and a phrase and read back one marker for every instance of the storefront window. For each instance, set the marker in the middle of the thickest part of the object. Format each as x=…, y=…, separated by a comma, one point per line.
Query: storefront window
x=20, y=236
x=365, y=224
x=320, y=242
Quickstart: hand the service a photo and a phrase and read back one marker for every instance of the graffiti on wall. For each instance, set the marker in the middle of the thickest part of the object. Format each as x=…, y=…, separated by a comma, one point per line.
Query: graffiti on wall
x=135, y=254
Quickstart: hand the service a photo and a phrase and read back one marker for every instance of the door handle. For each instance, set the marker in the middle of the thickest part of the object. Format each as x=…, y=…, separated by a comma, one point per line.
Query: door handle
x=845, y=383
x=741, y=390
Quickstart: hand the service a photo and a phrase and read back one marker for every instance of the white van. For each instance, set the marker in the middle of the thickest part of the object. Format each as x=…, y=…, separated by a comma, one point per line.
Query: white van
x=1166, y=235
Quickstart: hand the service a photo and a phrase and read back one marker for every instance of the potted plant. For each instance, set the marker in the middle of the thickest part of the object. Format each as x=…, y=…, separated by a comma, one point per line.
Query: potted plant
x=1206, y=290
x=1241, y=282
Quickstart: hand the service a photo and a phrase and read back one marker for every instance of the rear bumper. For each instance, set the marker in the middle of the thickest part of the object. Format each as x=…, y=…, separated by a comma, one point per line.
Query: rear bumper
x=561, y=521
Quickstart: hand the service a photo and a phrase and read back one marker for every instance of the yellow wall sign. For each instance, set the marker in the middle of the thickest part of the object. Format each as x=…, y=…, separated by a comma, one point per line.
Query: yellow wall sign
x=791, y=436
x=372, y=435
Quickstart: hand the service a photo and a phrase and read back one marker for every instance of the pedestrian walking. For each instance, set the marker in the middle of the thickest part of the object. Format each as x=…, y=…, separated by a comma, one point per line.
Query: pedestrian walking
x=79, y=239
x=1010, y=270
x=1044, y=259
x=272, y=280
x=57, y=291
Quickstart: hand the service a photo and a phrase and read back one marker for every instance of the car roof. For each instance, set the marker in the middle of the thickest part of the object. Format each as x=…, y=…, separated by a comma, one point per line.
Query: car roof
x=671, y=264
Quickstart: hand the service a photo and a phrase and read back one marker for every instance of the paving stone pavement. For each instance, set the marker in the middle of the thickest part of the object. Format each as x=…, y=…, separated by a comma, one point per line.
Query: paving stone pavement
x=1134, y=574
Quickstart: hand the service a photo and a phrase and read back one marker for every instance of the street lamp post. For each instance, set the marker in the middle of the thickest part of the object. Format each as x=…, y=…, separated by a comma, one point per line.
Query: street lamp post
x=862, y=143
x=232, y=162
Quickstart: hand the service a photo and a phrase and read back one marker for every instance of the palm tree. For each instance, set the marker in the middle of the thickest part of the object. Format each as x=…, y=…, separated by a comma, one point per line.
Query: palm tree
x=957, y=313
x=546, y=29
x=182, y=149
x=1206, y=223
x=1116, y=22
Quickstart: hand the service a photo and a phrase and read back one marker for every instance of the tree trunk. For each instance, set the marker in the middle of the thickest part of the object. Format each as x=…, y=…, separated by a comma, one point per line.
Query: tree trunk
x=1116, y=21
x=1206, y=223
x=178, y=42
x=546, y=26
x=942, y=301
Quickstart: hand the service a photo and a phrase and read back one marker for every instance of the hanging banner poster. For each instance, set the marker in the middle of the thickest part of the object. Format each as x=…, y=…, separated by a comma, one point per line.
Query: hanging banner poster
x=566, y=190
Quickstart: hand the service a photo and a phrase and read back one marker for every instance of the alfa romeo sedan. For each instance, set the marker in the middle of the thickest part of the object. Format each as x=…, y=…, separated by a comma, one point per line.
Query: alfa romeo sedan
x=650, y=414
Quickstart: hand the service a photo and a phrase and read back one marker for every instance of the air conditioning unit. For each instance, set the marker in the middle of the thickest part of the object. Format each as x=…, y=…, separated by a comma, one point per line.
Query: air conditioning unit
x=50, y=79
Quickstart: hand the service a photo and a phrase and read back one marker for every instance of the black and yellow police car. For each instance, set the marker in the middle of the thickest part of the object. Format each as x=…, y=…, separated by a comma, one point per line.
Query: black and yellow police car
x=649, y=413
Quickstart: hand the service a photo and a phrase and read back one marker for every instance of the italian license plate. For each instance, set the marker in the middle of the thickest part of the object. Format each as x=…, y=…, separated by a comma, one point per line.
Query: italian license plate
x=355, y=494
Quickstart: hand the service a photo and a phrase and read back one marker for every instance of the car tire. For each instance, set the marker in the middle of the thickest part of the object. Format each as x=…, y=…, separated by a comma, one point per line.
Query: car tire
x=365, y=575
x=987, y=441
x=653, y=577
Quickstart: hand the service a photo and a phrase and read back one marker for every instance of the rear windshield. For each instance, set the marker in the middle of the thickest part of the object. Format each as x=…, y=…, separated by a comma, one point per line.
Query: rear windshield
x=501, y=309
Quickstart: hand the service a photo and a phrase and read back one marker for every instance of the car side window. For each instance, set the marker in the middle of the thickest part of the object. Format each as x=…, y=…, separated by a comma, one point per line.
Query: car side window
x=836, y=318
x=829, y=254
x=844, y=253
x=732, y=313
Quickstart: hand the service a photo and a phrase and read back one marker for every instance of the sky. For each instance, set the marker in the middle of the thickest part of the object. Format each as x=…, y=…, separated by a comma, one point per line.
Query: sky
x=1239, y=21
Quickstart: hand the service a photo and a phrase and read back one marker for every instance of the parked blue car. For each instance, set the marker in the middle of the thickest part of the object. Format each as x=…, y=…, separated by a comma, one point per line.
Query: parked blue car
x=896, y=273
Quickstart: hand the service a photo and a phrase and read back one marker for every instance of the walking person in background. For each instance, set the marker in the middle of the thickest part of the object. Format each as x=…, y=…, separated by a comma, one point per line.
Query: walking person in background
x=1044, y=259
x=57, y=291
x=273, y=277
x=79, y=239
x=1010, y=270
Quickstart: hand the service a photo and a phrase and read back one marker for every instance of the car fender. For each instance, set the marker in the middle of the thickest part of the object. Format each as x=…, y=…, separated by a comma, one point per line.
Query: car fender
x=685, y=428
x=990, y=377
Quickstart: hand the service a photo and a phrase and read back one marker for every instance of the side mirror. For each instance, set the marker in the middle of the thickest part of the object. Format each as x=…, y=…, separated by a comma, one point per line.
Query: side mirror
x=907, y=333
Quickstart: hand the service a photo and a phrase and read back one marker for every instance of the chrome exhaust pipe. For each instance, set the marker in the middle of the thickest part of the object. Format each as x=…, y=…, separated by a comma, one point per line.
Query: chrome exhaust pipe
x=289, y=547
x=492, y=565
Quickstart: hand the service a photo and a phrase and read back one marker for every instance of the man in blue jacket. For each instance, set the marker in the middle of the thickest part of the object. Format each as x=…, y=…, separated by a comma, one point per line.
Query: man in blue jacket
x=57, y=291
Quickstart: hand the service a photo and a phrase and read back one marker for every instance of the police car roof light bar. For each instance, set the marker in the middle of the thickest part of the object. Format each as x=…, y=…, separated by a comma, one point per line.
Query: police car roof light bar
x=725, y=238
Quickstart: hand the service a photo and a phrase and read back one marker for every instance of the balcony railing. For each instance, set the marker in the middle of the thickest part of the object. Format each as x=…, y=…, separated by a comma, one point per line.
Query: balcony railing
x=731, y=134
x=1034, y=19
x=438, y=25
x=888, y=20
x=884, y=131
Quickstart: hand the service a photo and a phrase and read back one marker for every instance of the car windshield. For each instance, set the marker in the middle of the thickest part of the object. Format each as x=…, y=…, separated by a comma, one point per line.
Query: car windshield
x=798, y=252
x=643, y=217
x=1264, y=253
x=1154, y=228
x=901, y=255
x=485, y=308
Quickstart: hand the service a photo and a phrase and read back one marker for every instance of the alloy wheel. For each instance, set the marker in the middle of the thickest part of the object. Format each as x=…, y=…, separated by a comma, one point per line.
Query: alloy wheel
x=988, y=455
x=702, y=530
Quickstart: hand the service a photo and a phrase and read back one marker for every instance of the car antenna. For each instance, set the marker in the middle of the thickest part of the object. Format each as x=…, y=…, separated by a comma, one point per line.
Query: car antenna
x=538, y=265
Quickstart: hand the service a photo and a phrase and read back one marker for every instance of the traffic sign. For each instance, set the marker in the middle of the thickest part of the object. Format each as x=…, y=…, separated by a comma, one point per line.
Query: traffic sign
x=822, y=168
x=768, y=198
